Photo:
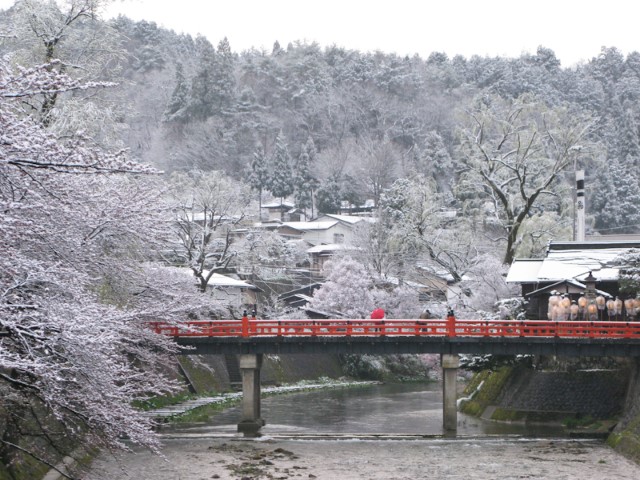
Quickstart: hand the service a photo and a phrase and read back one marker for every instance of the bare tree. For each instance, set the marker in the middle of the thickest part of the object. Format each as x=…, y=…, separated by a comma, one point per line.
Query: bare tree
x=421, y=226
x=209, y=205
x=514, y=153
x=379, y=166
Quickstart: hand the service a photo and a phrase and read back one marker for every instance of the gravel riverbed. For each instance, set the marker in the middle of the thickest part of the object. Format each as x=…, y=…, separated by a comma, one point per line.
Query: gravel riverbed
x=369, y=459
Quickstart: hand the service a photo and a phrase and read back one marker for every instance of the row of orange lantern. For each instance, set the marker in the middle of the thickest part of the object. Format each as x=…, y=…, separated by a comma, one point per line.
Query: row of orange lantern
x=561, y=308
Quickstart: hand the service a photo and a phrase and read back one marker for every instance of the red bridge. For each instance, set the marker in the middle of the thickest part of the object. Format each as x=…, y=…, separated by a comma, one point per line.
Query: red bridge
x=450, y=336
x=251, y=338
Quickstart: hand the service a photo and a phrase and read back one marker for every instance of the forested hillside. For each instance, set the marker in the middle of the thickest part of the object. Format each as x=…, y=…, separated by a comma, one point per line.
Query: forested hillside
x=364, y=120
x=374, y=118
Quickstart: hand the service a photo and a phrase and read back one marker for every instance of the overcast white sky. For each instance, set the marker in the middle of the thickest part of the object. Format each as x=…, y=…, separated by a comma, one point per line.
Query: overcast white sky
x=574, y=29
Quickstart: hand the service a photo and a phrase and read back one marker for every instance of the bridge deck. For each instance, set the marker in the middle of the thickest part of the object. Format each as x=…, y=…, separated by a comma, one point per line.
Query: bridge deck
x=451, y=336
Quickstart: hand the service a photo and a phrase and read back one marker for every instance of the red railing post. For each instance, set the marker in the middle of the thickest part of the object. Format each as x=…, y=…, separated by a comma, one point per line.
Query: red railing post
x=245, y=325
x=451, y=324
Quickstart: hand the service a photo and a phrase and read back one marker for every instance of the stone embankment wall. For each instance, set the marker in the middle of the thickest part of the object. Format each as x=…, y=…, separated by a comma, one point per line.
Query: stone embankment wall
x=208, y=373
x=598, y=393
x=625, y=438
x=522, y=394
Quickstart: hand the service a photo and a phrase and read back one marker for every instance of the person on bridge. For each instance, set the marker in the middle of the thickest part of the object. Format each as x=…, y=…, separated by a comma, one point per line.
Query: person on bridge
x=377, y=314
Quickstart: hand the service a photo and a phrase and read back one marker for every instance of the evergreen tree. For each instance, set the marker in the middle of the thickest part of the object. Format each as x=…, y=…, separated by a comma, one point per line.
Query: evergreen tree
x=616, y=199
x=223, y=82
x=280, y=182
x=177, y=108
x=259, y=174
x=629, y=263
x=303, y=179
x=329, y=196
x=202, y=100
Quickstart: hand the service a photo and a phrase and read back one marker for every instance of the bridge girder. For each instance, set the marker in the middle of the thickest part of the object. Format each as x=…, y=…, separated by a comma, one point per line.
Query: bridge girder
x=568, y=347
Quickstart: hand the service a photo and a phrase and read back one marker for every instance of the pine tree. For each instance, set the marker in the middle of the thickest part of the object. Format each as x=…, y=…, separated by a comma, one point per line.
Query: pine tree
x=629, y=263
x=223, y=80
x=329, y=196
x=202, y=103
x=303, y=179
x=616, y=199
x=259, y=174
x=280, y=182
x=177, y=108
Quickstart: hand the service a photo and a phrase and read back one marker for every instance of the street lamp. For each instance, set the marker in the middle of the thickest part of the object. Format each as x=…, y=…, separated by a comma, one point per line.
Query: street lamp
x=590, y=286
x=574, y=309
x=590, y=296
x=600, y=303
x=629, y=304
x=582, y=306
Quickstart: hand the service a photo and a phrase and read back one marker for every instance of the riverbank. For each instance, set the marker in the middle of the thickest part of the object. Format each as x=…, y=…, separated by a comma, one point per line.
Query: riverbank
x=471, y=459
x=336, y=434
x=576, y=398
x=200, y=407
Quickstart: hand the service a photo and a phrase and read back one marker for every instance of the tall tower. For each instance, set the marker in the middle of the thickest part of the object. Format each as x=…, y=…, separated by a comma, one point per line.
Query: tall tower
x=580, y=206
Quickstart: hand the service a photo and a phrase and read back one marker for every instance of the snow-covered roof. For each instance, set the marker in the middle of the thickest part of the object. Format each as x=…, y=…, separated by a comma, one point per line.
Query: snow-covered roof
x=408, y=283
x=571, y=260
x=429, y=270
x=561, y=285
x=309, y=226
x=351, y=219
x=200, y=217
x=284, y=204
x=222, y=281
x=329, y=247
x=524, y=270
x=217, y=280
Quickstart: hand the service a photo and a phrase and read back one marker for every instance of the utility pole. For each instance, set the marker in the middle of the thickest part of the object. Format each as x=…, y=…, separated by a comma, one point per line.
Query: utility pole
x=579, y=228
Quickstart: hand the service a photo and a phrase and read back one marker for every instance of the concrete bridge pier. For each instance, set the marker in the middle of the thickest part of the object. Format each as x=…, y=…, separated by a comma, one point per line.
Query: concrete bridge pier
x=251, y=423
x=450, y=364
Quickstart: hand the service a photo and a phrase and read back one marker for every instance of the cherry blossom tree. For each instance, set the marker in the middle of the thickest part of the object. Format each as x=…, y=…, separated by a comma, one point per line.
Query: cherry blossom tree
x=78, y=230
x=352, y=292
x=71, y=33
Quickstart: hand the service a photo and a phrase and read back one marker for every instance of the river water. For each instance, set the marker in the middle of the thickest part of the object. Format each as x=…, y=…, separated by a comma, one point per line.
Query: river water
x=414, y=409
x=383, y=432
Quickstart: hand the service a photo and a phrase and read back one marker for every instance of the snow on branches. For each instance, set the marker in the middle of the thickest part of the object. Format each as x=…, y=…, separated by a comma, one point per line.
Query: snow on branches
x=78, y=234
x=24, y=143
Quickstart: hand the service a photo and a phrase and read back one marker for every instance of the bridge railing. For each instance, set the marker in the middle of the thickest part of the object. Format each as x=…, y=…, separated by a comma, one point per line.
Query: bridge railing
x=450, y=327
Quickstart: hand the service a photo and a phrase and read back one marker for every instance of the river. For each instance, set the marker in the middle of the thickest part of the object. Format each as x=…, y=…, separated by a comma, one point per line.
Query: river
x=380, y=432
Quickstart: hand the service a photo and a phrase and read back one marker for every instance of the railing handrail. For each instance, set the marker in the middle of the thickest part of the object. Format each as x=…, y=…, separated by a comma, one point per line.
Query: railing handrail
x=249, y=327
